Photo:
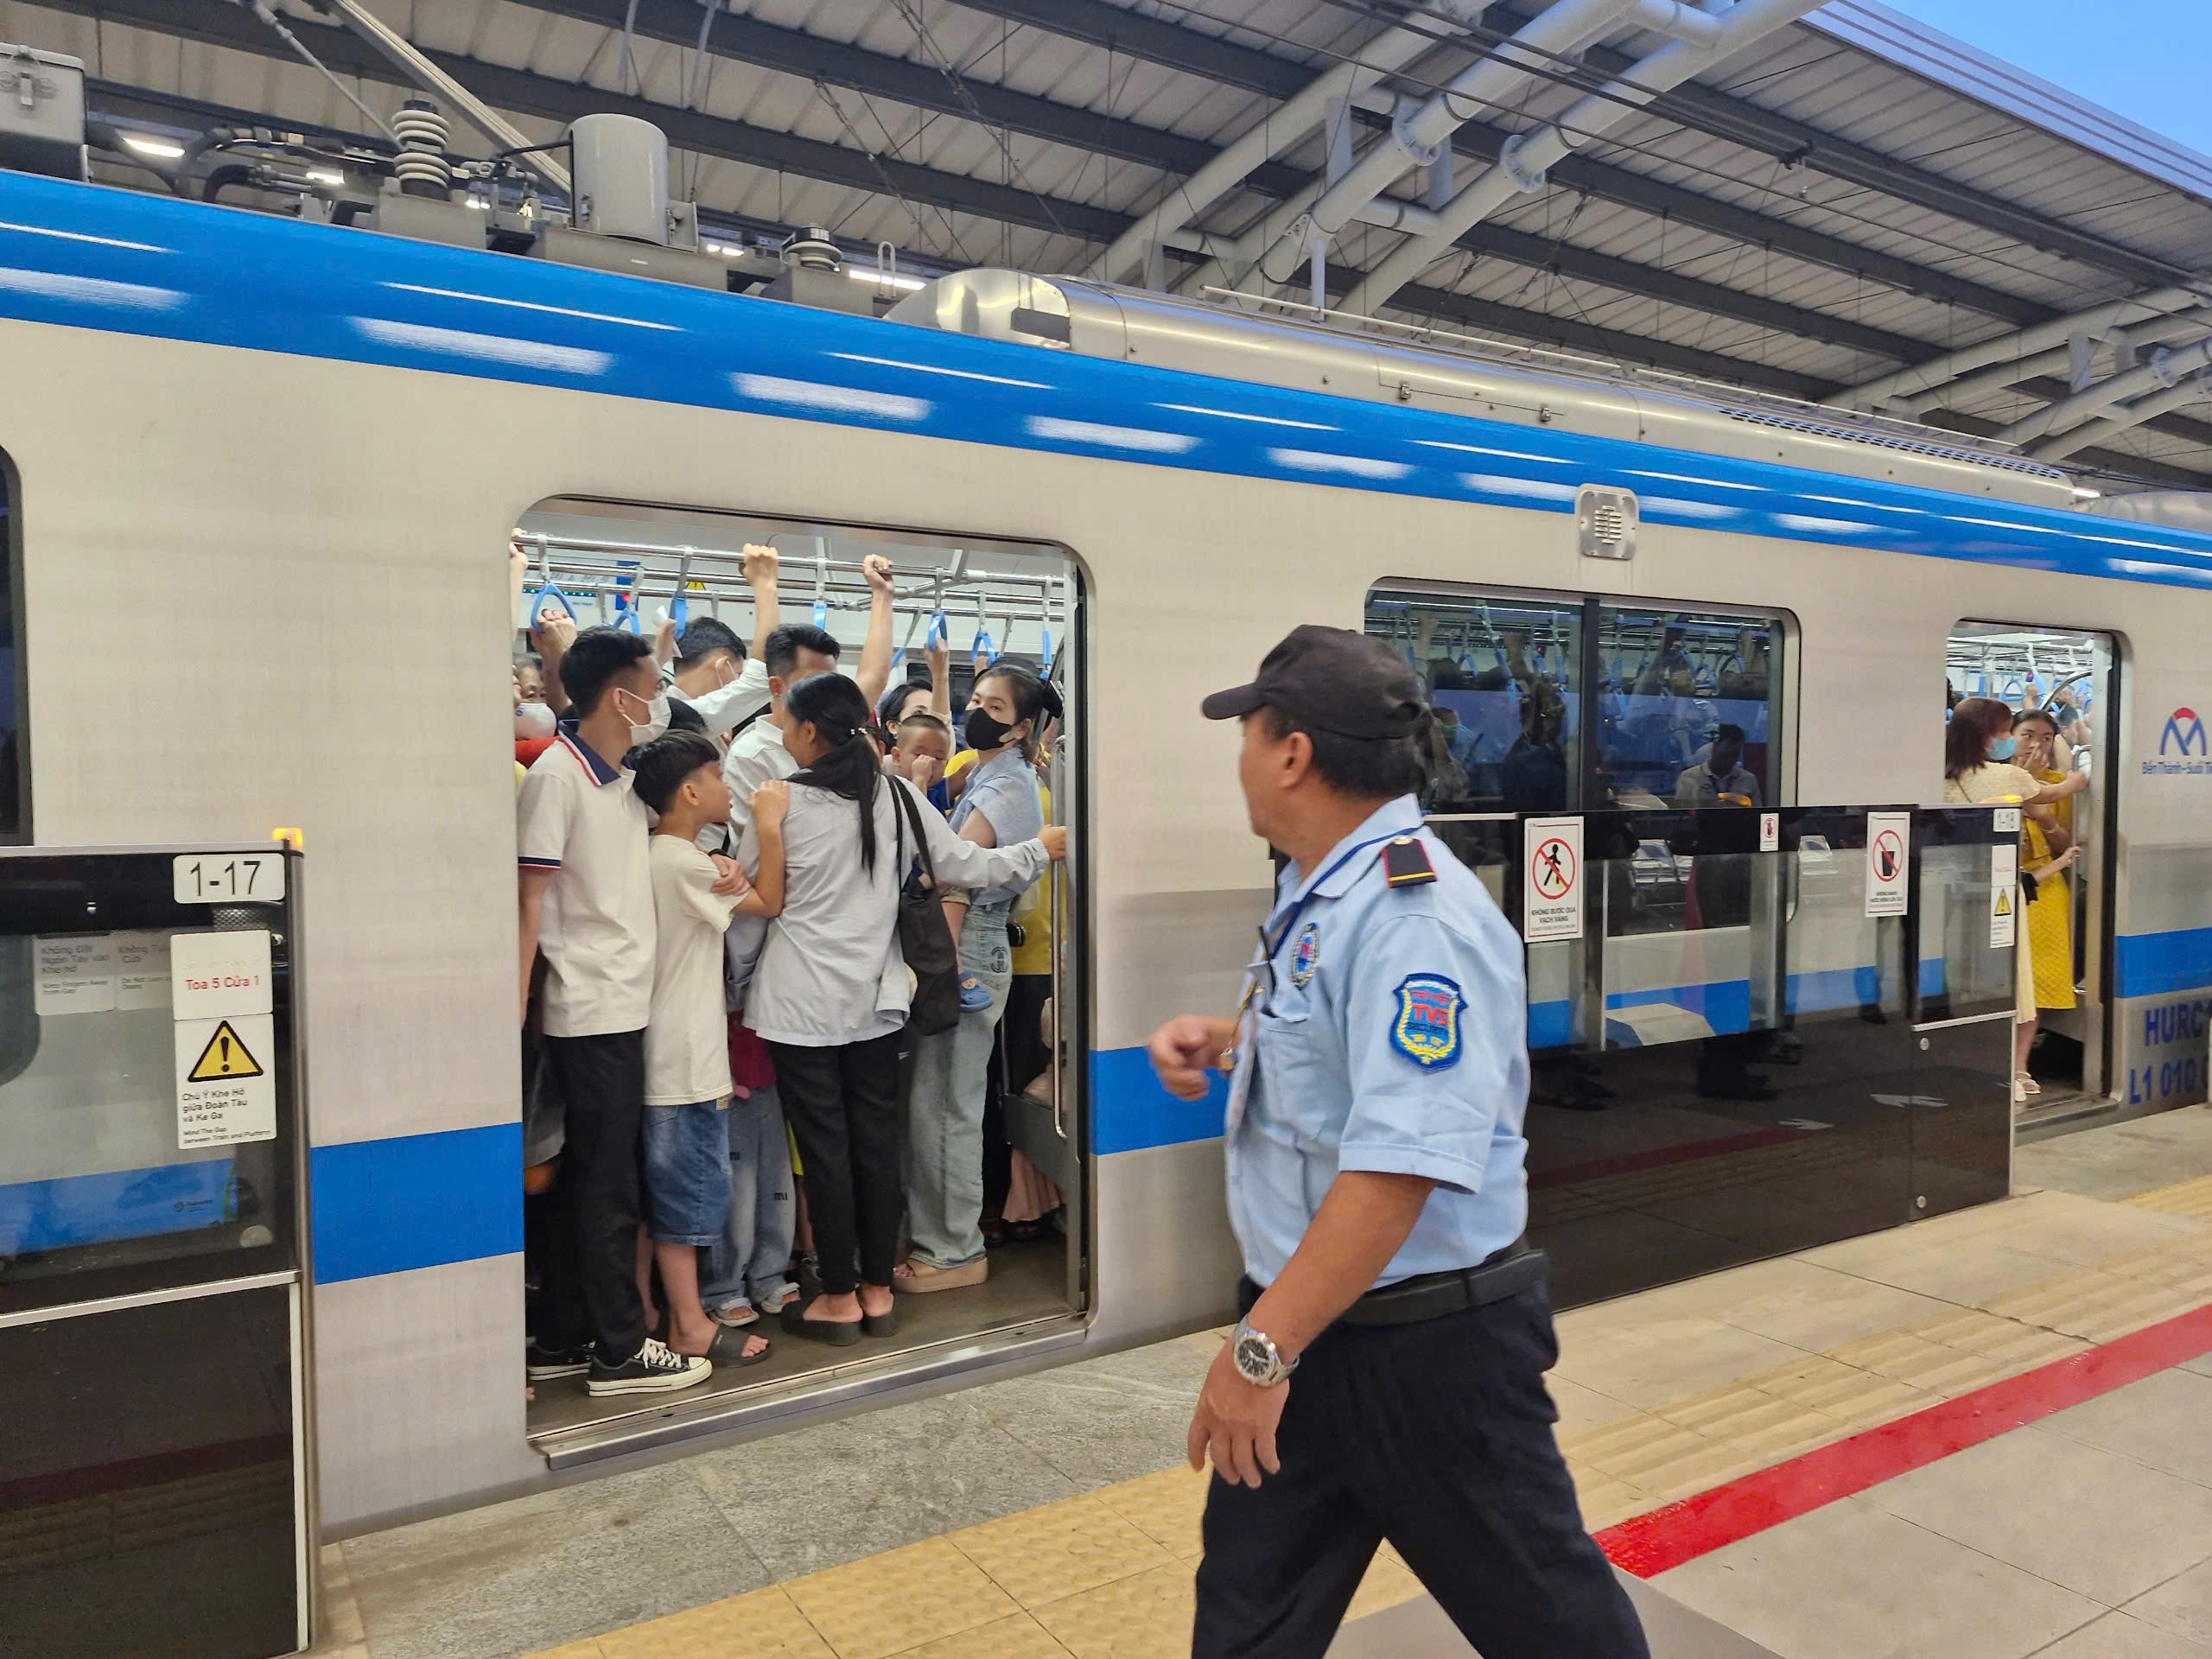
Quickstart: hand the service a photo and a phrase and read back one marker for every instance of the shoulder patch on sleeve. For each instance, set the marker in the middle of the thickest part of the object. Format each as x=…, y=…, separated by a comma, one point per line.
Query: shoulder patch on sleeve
x=1425, y=1026
x=1405, y=863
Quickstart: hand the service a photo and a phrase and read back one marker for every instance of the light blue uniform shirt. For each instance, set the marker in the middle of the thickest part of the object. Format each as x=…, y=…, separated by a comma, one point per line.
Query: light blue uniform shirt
x=1003, y=788
x=1393, y=1038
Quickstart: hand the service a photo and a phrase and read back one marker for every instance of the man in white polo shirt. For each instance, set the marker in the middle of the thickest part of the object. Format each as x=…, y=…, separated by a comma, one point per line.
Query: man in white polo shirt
x=588, y=904
x=713, y=673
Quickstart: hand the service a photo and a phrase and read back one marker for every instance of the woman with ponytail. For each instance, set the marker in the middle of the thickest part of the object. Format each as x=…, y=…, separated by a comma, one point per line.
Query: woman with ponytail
x=829, y=996
x=998, y=806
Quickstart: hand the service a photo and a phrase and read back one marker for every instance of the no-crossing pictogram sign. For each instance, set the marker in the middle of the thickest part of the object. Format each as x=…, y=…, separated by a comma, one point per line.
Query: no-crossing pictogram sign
x=1552, y=896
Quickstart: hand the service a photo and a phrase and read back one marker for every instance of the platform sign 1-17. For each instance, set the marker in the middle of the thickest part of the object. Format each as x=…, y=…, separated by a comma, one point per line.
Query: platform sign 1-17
x=1551, y=907
x=1889, y=846
x=227, y=878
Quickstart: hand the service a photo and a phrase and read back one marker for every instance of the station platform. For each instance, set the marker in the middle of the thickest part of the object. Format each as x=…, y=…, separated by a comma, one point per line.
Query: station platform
x=1981, y=1436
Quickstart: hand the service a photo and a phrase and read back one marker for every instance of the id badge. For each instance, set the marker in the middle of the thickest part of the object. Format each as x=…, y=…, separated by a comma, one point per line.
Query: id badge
x=1240, y=1078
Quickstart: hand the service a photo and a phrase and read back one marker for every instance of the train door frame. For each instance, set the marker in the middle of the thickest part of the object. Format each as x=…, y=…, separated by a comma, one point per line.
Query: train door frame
x=2096, y=909
x=998, y=1337
x=14, y=634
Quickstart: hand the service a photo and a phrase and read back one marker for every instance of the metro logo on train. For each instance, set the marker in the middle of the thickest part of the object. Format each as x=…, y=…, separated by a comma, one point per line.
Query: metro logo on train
x=2183, y=737
x=2182, y=748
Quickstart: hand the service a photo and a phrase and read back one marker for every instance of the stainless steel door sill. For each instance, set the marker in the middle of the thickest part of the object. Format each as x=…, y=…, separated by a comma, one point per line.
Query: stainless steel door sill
x=659, y=1421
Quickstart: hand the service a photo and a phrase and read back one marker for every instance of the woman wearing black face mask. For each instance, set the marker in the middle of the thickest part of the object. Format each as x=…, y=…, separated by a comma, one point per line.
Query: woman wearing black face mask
x=945, y=1156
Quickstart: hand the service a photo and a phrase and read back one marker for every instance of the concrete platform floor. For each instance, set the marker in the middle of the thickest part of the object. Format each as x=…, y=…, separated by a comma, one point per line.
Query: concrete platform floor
x=1049, y=1516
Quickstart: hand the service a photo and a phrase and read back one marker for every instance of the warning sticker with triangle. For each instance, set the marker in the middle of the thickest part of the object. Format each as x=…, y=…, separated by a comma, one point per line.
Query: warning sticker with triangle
x=2004, y=902
x=225, y=1056
x=225, y=1090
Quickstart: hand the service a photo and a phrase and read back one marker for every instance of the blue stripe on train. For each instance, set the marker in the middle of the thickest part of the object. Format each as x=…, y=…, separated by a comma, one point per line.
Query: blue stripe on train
x=415, y=1201
x=2153, y=965
x=142, y=264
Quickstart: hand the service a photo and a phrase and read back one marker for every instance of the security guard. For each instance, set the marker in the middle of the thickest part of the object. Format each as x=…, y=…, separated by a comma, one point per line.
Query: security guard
x=1387, y=1381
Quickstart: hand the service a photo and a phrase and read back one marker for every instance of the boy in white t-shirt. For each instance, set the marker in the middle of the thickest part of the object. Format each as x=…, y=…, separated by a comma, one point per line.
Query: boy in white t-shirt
x=687, y=1053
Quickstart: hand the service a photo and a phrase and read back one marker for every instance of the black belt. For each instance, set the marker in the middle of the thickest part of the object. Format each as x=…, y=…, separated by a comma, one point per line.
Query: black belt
x=1432, y=1295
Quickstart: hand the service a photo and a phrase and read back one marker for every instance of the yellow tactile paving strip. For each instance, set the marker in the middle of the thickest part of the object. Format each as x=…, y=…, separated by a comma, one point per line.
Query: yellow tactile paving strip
x=2191, y=1200
x=1108, y=1575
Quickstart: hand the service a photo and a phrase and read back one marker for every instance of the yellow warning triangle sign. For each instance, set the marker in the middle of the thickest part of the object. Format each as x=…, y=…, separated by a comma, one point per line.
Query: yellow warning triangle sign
x=2004, y=902
x=225, y=1056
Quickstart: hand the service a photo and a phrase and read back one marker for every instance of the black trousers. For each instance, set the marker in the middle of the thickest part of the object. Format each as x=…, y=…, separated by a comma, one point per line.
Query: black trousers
x=844, y=1105
x=589, y=1280
x=1437, y=1436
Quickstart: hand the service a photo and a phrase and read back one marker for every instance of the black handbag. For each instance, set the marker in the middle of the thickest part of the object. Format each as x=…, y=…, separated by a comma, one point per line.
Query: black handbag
x=925, y=938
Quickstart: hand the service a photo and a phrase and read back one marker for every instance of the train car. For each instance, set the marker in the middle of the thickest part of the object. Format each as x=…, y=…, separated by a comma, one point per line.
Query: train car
x=261, y=479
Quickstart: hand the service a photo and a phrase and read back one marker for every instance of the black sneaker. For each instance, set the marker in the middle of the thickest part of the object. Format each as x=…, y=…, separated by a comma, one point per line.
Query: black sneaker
x=654, y=1369
x=543, y=1364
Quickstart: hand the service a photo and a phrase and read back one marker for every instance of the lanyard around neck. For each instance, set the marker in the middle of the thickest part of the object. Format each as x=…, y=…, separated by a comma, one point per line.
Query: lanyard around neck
x=1314, y=887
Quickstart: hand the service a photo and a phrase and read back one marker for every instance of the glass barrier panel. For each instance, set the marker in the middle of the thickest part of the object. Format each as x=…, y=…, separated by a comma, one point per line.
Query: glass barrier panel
x=118, y=1171
x=1965, y=910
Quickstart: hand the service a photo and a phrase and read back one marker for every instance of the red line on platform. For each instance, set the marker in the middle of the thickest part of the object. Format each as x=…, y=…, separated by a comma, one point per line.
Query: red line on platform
x=1647, y=1545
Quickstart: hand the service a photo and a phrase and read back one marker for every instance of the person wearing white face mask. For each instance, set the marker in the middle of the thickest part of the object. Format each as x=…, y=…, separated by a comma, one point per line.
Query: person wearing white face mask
x=587, y=902
x=712, y=671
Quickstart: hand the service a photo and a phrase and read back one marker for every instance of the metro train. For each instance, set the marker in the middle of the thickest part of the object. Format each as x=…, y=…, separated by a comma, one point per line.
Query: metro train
x=261, y=477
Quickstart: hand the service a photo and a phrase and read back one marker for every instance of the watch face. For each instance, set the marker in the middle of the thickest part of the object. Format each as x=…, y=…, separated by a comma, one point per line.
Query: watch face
x=1253, y=1358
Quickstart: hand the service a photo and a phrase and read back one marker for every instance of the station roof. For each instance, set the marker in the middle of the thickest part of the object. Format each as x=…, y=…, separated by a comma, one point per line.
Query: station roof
x=1851, y=196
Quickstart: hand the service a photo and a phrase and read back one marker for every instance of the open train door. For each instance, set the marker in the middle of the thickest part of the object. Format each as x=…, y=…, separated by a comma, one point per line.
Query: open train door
x=2071, y=677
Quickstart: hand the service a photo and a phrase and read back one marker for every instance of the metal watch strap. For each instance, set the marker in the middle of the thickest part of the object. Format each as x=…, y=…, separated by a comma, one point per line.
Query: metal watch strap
x=1277, y=1365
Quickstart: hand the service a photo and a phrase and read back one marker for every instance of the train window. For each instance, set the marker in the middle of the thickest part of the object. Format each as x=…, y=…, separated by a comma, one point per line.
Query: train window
x=1685, y=707
x=1575, y=703
x=15, y=756
x=1504, y=677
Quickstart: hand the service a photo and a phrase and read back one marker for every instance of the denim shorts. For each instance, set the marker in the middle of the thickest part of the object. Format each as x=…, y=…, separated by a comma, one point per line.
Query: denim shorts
x=687, y=1174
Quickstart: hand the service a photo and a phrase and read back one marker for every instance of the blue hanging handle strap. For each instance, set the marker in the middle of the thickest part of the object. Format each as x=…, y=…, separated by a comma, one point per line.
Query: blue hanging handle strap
x=1044, y=650
x=821, y=612
x=937, y=635
x=548, y=589
x=984, y=648
x=679, y=611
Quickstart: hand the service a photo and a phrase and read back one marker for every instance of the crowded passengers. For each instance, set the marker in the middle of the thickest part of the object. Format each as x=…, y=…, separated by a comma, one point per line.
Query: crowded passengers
x=768, y=976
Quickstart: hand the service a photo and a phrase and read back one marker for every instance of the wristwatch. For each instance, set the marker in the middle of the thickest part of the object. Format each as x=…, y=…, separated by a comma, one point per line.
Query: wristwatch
x=1257, y=1359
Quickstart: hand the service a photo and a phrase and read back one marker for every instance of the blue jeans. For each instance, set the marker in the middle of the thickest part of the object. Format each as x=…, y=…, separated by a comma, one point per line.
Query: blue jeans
x=748, y=1262
x=687, y=1174
x=944, y=1119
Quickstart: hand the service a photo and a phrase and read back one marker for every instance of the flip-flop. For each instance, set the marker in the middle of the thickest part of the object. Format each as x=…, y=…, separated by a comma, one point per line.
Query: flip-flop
x=727, y=1348
x=838, y=1333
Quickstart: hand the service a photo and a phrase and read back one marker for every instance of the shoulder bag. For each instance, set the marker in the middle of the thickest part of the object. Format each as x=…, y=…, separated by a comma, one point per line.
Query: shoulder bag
x=925, y=938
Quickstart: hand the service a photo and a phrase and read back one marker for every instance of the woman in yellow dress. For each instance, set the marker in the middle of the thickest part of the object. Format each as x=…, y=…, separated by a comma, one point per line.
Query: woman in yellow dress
x=2047, y=854
x=1980, y=769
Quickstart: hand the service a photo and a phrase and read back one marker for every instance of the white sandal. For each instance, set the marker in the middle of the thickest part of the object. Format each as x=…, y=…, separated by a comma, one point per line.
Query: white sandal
x=2026, y=1085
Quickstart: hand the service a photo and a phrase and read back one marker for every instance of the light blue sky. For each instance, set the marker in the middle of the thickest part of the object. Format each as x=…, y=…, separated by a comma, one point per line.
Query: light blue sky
x=2115, y=53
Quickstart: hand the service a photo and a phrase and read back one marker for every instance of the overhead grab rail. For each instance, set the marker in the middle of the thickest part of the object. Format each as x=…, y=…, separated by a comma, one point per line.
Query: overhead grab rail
x=622, y=593
x=956, y=573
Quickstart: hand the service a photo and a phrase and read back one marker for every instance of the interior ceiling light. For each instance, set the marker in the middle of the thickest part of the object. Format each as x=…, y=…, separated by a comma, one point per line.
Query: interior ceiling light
x=325, y=175
x=160, y=147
